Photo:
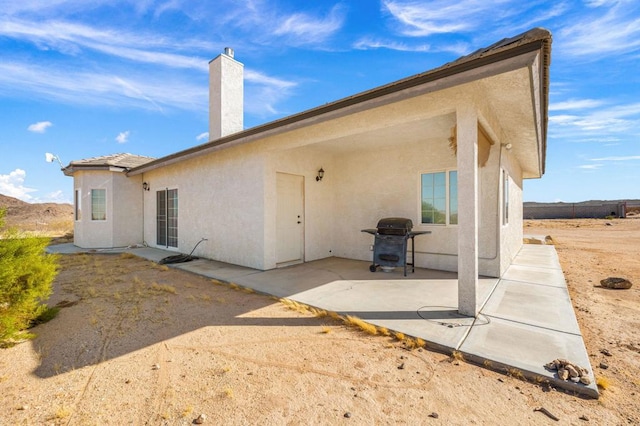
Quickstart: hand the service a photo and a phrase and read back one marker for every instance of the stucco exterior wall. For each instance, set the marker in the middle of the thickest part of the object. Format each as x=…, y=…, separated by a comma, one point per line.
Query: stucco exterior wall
x=123, y=224
x=93, y=233
x=126, y=210
x=511, y=234
x=220, y=198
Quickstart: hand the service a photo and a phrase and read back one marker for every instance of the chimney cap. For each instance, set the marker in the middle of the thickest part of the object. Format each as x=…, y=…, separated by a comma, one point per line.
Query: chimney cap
x=228, y=51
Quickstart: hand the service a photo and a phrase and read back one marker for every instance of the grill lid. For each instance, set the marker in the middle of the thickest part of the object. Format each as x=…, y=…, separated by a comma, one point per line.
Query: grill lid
x=394, y=225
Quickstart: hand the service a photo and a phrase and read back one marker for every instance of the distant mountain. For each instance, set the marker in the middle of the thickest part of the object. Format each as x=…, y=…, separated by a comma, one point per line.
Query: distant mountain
x=34, y=216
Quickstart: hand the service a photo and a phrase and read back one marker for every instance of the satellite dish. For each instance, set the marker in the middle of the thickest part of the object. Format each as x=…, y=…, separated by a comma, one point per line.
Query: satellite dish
x=51, y=158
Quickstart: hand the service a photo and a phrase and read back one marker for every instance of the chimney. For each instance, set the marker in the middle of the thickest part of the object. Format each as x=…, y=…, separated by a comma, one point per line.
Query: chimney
x=226, y=95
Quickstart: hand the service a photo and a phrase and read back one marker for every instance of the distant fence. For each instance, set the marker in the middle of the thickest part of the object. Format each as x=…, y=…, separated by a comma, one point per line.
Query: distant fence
x=573, y=210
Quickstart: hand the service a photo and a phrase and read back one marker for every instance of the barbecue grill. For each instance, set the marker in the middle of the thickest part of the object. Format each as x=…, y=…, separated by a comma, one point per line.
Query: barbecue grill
x=390, y=245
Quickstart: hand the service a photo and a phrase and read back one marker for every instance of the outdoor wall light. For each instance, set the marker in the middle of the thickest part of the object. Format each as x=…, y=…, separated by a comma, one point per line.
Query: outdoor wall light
x=507, y=146
x=146, y=186
x=320, y=175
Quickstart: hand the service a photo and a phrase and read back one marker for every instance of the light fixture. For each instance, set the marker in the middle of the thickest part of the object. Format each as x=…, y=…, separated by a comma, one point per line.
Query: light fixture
x=146, y=186
x=320, y=175
x=51, y=158
x=507, y=146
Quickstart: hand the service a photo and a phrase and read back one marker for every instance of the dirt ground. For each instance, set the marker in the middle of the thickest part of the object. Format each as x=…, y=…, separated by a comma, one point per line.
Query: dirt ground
x=137, y=343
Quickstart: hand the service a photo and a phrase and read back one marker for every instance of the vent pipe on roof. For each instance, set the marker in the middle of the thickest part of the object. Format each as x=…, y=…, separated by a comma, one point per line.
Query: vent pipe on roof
x=226, y=93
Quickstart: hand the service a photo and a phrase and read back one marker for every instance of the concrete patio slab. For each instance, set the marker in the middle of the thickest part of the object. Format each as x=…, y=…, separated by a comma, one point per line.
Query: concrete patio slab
x=526, y=349
x=534, y=304
x=525, y=319
x=535, y=275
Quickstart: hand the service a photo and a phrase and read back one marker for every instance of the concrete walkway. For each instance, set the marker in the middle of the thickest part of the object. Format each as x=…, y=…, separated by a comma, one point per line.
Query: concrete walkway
x=526, y=317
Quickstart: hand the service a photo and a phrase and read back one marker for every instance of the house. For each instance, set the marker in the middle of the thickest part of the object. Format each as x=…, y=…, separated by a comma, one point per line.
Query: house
x=448, y=148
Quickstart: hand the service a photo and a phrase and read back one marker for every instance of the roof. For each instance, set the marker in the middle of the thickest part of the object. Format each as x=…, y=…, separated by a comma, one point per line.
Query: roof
x=537, y=39
x=115, y=162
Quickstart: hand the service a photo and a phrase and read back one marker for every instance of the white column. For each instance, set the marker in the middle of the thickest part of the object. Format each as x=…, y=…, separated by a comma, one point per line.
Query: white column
x=467, y=133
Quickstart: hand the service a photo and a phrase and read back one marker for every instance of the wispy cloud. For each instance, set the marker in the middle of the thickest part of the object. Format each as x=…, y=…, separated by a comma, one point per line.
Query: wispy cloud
x=590, y=166
x=39, y=127
x=99, y=88
x=12, y=185
x=417, y=18
x=71, y=38
x=572, y=104
x=303, y=28
x=618, y=158
x=123, y=137
x=421, y=19
x=203, y=136
x=367, y=43
x=266, y=92
x=606, y=121
x=609, y=28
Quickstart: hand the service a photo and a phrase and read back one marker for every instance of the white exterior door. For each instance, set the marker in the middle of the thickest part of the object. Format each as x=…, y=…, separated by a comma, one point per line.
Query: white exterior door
x=290, y=219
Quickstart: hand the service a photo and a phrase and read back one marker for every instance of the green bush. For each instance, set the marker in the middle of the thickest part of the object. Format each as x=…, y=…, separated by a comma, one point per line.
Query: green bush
x=26, y=277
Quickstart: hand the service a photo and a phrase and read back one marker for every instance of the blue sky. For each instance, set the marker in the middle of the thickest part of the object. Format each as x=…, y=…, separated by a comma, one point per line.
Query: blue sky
x=85, y=78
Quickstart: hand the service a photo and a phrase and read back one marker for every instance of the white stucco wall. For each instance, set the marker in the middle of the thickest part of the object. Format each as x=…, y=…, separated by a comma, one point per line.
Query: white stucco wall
x=123, y=224
x=127, y=210
x=220, y=198
x=511, y=234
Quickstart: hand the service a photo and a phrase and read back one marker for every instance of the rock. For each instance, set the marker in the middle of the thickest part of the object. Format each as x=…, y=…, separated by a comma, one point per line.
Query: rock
x=575, y=379
x=401, y=366
x=434, y=415
x=23, y=407
x=347, y=415
x=605, y=352
x=585, y=380
x=616, y=283
x=572, y=371
x=155, y=367
x=200, y=419
x=552, y=365
x=583, y=417
x=563, y=374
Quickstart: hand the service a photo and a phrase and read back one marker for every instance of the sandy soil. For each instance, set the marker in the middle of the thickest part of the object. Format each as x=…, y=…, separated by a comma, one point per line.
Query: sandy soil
x=142, y=344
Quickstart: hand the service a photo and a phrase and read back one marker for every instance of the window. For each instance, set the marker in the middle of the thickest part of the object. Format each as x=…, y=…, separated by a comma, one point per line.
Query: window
x=439, y=198
x=167, y=218
x=98, y=204
x=505, y=197
x=77, y=203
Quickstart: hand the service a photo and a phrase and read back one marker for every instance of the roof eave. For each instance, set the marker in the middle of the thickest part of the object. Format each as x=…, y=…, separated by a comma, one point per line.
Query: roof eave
x=540, y=41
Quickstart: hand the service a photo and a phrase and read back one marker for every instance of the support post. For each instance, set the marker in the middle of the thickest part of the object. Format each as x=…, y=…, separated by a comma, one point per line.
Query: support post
x=467, y=162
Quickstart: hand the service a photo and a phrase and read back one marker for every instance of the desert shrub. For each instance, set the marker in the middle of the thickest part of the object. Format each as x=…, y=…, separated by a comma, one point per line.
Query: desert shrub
x=26, y=277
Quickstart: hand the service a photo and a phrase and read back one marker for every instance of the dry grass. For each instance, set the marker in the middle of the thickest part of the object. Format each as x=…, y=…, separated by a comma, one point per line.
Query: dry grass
x=127, y=255
x=163, y=288
x=364, y=326
x=457, y=356
x=603, y=383
x=516, y=373
x=62, y=413
x=187, y=411
x=325, y=330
